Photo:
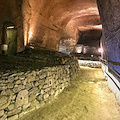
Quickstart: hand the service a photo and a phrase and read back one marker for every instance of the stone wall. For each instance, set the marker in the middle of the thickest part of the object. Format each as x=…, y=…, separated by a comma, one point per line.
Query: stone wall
x=110, y=9
x=23, y=92
x=88, y=63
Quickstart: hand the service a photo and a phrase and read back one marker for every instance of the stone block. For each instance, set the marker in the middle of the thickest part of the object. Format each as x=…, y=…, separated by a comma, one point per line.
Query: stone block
x=25, y=82
x=30, y=79
x=33, y=97
x=3, y=100
x=22, y=98
x=29, y=109
x=37, y=83
x=45, y=96
x=18, y=82
x=11, y=79
x=26, y=106
x=13, y=117
x=47, y=90
x=6, y=74
x=18, y=88
x=57, y=92
x=42, y=91
x=37, y=78
x=1, y=113
x=7, y=92
x=22, y=114
x=12, y=75
x=34, y=73
x=33, y=91
x=40, y=97
x=4, y=117
x=14, y=112
x=6, y=104
x=11, y=106
x=16, y=78
x=13, y=97
x=41, y=82
x=52, y=92
x=3, y=87
x=40, y=87
x=28, y=86
x=43, y=75
x=35, y=104
x=45, y=86
x=20, y=73
x=22, y=77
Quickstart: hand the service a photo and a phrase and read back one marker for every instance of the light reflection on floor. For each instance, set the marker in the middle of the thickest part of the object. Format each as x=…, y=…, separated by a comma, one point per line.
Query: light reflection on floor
x=88, y=98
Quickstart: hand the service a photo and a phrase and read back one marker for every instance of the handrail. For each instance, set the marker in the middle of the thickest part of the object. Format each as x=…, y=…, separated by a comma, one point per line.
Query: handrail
x=104, y=61
x=111, y=69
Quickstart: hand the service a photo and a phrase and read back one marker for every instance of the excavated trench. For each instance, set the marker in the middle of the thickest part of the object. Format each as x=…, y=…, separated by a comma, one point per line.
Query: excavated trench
x=88, y=98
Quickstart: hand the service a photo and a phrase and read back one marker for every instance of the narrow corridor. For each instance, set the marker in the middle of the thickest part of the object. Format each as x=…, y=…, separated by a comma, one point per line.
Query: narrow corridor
x=88, y=98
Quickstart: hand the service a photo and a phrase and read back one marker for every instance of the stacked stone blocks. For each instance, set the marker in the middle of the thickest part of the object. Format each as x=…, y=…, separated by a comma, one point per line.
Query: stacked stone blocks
x=23, y=92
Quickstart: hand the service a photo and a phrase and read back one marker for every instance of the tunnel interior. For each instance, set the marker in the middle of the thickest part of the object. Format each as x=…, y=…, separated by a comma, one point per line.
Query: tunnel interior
x=46, y=29
x=88, y=44
x=90, y=37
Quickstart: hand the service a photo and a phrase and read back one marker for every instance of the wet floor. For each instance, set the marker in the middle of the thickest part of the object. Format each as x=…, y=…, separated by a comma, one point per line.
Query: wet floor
x=88, y=98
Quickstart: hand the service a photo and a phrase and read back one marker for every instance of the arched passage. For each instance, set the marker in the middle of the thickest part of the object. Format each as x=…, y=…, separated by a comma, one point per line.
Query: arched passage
x=48, y=22
x=60, y=21
x=9, y=40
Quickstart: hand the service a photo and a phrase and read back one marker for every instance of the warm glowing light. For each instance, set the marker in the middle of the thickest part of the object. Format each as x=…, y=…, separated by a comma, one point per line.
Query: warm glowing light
x=25, y=38
x=10, y=27
x=93, y=8
x=97, y=26
x=79, y=49
x=100, y=50
x=92, y=55
x=90, y=10
x=4, y=47
x=30, y=34
x=88, y=27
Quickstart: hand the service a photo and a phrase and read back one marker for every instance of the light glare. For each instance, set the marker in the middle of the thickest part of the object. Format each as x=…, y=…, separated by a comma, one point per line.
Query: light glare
x=100, y=50
x=79, y=49
x=30, y=34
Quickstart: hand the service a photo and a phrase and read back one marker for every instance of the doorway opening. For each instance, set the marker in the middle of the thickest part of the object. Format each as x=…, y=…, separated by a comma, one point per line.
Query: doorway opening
x=9, y=43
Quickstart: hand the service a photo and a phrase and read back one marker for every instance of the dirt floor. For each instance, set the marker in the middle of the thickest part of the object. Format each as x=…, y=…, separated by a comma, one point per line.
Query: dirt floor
x=88, y=98
x=32, y=59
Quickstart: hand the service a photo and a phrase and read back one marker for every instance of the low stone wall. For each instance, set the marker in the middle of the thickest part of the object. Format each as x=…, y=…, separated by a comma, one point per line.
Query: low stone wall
x=22, y=92
x=88, y=63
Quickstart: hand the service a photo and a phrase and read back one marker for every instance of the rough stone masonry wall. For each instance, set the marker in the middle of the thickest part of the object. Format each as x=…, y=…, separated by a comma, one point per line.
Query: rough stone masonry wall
x=22, y=92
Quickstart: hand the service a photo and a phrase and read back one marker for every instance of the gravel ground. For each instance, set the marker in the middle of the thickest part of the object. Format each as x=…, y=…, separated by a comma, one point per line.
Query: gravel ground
x=88, y=98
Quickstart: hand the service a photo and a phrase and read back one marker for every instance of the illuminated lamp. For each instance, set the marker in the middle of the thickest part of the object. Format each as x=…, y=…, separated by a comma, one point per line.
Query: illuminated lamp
x=10, y=27
x=79, y=49
x=100, y=50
